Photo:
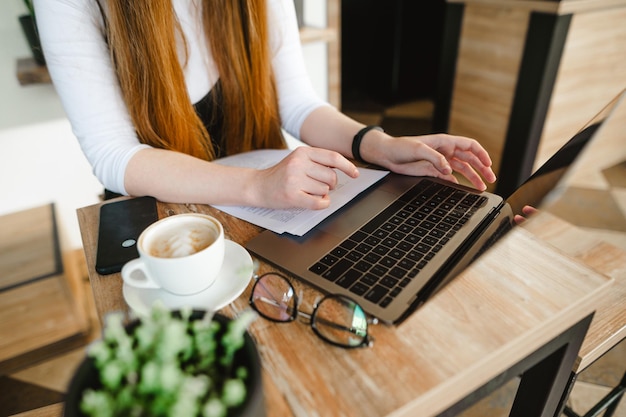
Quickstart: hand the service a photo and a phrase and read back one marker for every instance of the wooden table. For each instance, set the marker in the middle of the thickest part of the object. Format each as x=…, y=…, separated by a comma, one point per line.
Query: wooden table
x=523, y=308
x=608, y=327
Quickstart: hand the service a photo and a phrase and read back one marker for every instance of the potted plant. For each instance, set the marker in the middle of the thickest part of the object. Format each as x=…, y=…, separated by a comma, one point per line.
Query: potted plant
x=182, y=363
x=29, y=27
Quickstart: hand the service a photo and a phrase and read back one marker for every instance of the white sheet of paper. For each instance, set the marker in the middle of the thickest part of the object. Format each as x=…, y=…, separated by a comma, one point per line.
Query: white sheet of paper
x=296, y=221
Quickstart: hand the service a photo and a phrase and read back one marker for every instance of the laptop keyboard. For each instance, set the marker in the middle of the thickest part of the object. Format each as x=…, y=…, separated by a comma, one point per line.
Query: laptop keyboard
x=379, y=260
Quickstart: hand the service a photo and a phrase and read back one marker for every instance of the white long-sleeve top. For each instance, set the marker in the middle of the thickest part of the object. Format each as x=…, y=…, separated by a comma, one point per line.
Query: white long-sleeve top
x=79, y=63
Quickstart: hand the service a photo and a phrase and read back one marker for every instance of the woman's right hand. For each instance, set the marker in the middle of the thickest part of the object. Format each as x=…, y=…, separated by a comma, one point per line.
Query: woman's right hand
x=302, y=179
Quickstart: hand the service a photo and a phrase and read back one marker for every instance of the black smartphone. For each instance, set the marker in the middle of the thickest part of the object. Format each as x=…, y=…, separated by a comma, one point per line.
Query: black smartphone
x=121, y=223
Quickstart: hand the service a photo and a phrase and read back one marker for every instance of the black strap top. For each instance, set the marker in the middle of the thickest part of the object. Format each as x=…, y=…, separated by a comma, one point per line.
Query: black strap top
x=210, y=111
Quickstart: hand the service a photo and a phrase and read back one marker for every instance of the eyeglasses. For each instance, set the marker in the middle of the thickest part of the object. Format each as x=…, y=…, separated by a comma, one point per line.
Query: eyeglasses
x=336, y=319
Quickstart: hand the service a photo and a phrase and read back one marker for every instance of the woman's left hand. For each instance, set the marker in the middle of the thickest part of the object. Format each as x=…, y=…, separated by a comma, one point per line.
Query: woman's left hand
x=527, y=211
x=436, y=155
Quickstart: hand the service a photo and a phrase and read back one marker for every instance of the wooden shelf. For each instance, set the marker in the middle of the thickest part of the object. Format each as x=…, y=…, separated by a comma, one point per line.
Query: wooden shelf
x=331, y=34
x=29, y=72
x=312, y=34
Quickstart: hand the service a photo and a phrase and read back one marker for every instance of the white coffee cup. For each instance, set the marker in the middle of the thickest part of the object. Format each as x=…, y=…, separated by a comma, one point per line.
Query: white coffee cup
x=181, y=254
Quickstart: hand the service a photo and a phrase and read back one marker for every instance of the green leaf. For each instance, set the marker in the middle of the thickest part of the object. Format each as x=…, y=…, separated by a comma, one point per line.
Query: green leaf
x=168, y=365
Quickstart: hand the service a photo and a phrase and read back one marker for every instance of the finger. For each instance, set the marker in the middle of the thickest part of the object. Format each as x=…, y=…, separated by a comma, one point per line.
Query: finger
x=313, y=202
x=305, y=196
x=472, y=146
x=477, y=164
x=314, y=187
x=425, y=168
x=465, y=149
x=468, y=172
x=437, y=160
x=518, y=219
x=321, y=202
x=333, y=159
x=529, y=210
x=482, y=154
x=324, y=175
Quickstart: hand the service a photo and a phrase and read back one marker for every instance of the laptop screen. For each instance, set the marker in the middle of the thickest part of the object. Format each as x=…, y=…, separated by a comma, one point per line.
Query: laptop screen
x=543, y=185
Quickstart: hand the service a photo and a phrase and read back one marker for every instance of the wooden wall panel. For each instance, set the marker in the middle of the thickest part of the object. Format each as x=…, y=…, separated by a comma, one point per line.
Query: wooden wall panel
x=592, y=71
x=492, y=42
x=334, y=53
x=567, y=79
x=608, y=151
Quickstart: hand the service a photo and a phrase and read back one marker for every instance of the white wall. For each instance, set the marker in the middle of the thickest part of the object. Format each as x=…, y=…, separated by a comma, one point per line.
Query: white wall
x=40, y=160
x=315, y=54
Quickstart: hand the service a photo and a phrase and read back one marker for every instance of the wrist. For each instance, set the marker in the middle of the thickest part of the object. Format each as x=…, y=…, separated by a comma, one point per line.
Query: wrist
x=357, y=142
x=252, y=193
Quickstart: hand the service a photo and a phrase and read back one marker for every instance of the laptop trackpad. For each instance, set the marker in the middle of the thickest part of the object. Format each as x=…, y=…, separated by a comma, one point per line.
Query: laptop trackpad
x=350, y=218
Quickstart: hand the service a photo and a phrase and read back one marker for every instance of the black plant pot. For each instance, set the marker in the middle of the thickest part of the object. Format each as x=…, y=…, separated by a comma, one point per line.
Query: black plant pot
x=86, y=376
x=32, y=36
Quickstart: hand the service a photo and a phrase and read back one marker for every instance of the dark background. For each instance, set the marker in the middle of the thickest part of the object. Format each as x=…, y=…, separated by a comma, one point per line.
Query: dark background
x=390, y=49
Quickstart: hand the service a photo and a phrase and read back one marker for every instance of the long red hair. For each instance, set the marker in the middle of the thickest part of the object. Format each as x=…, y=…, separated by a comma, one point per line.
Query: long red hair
x=142, y=38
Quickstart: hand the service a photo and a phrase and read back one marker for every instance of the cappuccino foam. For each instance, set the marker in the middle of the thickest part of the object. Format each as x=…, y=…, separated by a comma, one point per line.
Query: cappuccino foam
x=180, y=239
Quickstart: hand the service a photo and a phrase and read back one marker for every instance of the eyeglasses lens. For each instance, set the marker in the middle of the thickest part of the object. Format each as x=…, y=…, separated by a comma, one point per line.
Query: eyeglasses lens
x=341, y=321
x=273, y=297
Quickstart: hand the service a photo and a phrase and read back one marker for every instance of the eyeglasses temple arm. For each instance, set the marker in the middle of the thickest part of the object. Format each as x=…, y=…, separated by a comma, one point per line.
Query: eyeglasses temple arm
x=334, y=325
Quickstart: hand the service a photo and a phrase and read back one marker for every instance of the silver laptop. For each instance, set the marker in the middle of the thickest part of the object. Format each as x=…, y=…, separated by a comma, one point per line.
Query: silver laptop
x=402, y=240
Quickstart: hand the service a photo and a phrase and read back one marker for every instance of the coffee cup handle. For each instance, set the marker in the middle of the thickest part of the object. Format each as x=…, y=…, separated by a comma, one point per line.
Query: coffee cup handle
x=141, y=280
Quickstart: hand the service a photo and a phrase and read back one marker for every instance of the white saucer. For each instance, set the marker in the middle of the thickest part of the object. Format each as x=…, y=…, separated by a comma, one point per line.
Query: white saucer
x=232, y=280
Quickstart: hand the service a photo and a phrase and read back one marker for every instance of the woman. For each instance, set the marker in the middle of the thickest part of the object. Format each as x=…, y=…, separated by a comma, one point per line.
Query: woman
x=155, y=90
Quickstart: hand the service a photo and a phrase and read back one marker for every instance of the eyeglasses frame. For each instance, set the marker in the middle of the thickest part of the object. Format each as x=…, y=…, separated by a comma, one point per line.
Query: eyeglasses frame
x=367, y=341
